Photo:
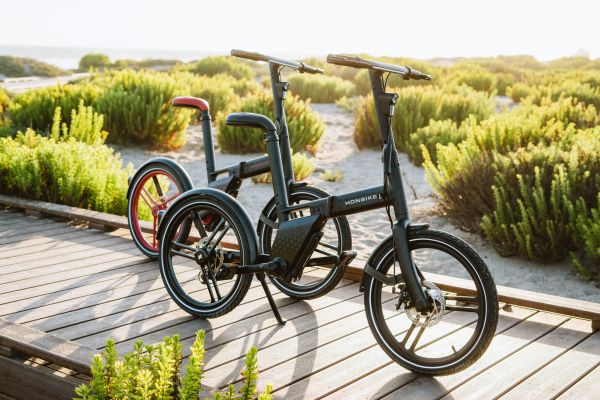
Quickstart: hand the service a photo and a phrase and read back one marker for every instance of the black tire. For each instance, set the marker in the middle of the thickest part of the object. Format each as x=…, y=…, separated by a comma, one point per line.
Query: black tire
x=344, y=242
x=140, y=179
x=239, y=284
x=486, y=311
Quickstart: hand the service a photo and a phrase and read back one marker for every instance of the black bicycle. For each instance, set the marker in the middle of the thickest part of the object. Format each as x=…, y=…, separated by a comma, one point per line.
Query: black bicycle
x=411, y=317
x=159, y=181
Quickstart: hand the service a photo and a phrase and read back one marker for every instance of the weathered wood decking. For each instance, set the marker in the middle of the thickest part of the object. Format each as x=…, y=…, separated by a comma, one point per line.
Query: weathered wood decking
x=85, y=285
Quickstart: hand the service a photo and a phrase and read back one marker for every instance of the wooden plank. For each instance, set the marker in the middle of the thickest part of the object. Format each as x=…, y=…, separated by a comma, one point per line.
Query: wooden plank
x=36, y=258
x=587, y=388
x=162, y=315
x=508, y=373
x=23, y=381
x=68, y=212
x=45, y=346
x=503, y=346
x=33, y=232
x=373, y=375
x=560, y=374
x=42, y=267
x=232, y=343
x=84, y=236
x=300, y=357
x=108, y=272
x=106, y=261
x=55, y=236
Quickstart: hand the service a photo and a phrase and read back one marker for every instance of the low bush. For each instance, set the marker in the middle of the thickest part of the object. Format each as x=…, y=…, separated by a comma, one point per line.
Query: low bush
x=94, y=60
x=417, y=106
x=334, y=175
x=152, y=372
x=303, y=168
x=5, y=101
x=541, y=193
x=304, y=126
x=320, y=88
x=86, y=126
x=477, y=78
x=436, y=132
x=221, y=65
x=19, y=67
x=137, y=106
x=35, y=108
x=65, y=172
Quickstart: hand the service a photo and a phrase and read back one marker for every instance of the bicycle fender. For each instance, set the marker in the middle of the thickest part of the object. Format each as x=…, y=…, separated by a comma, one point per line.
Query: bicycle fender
x=181, y=172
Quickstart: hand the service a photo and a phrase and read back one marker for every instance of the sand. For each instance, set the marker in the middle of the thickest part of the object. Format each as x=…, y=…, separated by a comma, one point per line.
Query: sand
x=363, y=169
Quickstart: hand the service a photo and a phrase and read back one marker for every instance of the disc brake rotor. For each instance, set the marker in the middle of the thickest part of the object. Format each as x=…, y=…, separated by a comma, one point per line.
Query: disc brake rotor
x=436, y=314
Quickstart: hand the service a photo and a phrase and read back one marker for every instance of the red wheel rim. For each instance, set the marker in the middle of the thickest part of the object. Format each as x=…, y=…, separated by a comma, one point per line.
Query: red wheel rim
x=155, y=205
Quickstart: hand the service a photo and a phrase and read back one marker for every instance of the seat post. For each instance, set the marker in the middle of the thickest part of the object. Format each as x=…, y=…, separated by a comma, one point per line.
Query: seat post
x=279, y=94
x=209, y=148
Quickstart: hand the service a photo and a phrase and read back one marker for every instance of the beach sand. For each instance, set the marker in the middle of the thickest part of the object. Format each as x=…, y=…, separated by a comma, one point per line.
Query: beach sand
x=362, y=169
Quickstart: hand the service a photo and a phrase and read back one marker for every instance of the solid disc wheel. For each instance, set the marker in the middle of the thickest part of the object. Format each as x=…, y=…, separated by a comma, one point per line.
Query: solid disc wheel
x=455, y=333
x=196, y=272
x=153, y=190
x=318, y=278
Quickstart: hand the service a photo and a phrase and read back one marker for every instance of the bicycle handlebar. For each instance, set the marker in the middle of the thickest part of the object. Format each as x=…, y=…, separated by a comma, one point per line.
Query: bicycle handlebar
x=299, y=66
x=357, y=62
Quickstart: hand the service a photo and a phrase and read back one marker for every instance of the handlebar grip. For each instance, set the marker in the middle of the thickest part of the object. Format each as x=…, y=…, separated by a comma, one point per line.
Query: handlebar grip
x=418, y=75
x=248, y=55
x=348, y=61
x=310, y=69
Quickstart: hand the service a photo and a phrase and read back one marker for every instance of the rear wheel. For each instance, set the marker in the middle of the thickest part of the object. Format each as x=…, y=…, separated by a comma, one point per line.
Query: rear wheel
x=336, y=239
x=198, y=272
x=153, y=189
x=460, y=325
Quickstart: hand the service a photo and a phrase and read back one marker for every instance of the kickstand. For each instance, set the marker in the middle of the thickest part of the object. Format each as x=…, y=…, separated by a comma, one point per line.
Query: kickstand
x=263, y=282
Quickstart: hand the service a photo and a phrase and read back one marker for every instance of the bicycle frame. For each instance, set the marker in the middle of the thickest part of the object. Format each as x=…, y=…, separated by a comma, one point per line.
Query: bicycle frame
x=256, y=166
x=366, y=199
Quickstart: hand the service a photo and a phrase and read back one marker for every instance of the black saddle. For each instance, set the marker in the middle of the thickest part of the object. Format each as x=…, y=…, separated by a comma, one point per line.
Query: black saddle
x=250, y=120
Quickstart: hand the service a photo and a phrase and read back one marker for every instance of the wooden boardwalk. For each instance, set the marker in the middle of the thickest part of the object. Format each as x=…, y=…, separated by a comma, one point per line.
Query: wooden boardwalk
x=85, y=285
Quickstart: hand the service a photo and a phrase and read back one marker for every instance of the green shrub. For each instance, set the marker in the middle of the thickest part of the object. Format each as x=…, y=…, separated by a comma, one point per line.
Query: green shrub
x=463, y=174
x=221, y=65
x=540, y=194
x=19, y=67
x=304, y=126
x=417, y=106
x=86, y=126
x=35, y=108
x=303, y=168
x=334, y=175
x=69, y=172
x=518, y=92
x=477, y=78
x=94, y=60
x=320, y=88
x=152, y=372
x=436, y=132
x=5, y=101
x=137, y=106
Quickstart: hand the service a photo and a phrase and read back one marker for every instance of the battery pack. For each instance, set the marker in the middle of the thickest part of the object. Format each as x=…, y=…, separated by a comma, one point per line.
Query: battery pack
x=295, y=241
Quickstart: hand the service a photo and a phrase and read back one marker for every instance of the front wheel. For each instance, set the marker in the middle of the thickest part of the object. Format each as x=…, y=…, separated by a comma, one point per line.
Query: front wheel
x=321, y=276
x=460, y=324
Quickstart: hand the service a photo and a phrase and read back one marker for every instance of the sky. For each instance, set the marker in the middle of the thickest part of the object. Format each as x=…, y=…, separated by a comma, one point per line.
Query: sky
x=419, y=29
